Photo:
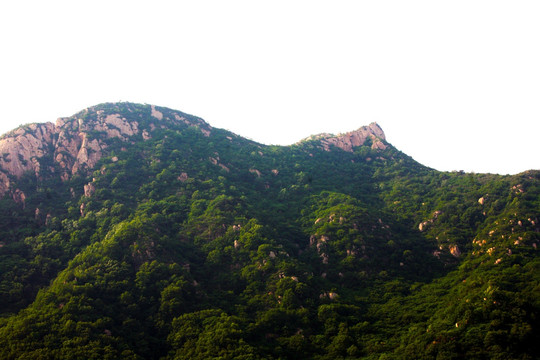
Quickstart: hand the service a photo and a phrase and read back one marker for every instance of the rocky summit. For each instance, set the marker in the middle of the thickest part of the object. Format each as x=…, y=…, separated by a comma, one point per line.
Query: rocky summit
x=132, y=231
x=78, y=142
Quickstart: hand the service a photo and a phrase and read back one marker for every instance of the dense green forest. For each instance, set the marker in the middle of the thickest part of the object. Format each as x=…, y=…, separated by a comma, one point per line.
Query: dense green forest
x=190, y=242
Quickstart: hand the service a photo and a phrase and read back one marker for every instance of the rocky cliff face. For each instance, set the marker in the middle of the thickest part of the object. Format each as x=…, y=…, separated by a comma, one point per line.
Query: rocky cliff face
x=77, y=143
x=348, y=141
x=356, y=138
x=20, y=149
x=76, y=150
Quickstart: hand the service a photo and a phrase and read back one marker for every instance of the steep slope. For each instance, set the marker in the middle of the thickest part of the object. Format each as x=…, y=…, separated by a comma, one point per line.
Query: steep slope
x=135, y=231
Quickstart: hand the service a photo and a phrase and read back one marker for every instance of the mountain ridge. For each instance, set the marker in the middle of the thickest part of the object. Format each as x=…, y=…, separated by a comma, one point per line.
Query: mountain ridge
x=73, y=150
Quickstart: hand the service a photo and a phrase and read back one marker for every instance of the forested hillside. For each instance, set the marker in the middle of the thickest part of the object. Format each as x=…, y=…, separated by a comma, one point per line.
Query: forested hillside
x=139, y=232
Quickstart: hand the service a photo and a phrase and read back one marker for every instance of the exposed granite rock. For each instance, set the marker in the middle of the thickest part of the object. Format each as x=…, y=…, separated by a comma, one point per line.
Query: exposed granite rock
x=423, y=225
x=117, y=126
x=329, y=295
x=4, y=183
x=21, y=146
x=89, y=154
x=19, y=197
x=89, y=189
x=156, y=113
x=350, y=140
x=183, y=177
x=255, y=172
x=454, y=250
x=202, y=126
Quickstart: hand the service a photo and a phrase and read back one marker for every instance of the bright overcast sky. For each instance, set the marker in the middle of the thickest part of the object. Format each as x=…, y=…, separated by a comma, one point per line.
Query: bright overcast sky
x=454, y=84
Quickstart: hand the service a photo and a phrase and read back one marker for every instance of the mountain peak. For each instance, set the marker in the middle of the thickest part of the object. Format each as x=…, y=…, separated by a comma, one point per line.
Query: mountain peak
x=372, y=133
x=133, y=112
x=78, y=142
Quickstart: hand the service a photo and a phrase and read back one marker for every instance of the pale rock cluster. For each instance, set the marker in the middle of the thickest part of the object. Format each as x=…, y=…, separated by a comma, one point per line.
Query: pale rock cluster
x=423, y=225
x=20, y=147
x=454, y=250
x=356, y=138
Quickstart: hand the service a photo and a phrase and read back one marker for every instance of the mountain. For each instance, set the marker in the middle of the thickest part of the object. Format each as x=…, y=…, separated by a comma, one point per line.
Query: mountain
x=140, y=232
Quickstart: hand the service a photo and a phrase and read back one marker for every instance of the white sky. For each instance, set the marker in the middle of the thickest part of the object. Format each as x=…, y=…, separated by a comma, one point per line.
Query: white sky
x=454, y=84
